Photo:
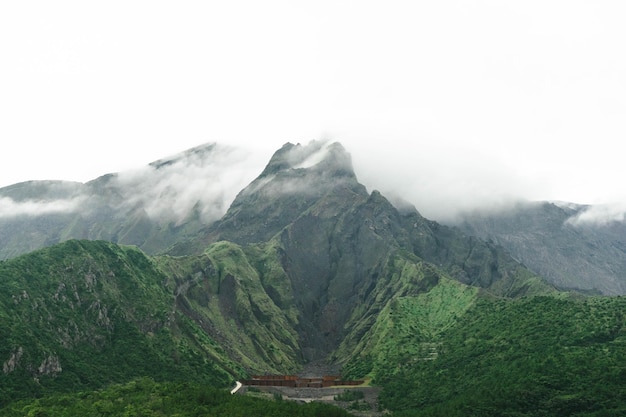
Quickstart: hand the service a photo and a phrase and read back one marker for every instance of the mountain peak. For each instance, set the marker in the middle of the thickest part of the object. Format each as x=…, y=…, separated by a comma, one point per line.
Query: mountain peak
x=199, y=152
x=295, y=179
x=331, y=158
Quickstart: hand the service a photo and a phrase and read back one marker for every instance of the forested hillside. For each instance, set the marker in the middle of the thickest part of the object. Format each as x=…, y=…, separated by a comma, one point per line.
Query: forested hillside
x=144, y=397
x=82, y=315
x=533, y=356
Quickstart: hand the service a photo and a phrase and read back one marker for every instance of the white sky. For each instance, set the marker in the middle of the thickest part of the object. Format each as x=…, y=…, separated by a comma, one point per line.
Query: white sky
x=454, y=104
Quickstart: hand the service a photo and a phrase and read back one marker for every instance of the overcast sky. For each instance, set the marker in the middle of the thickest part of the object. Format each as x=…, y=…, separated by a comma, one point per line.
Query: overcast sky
x=453, y=104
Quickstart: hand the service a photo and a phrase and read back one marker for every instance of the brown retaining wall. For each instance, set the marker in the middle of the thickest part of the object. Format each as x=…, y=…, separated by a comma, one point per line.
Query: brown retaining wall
x=295, y=382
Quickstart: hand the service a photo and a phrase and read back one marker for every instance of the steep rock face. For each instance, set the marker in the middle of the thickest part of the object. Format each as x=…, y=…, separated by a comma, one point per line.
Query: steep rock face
x=544, y=237
x=331, y=260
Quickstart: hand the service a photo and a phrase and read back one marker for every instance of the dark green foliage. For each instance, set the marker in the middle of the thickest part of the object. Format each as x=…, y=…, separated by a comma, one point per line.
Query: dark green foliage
x=360, y=406
x=145, y=397
x=358, y=367
x=529, y=357
x=350, y=395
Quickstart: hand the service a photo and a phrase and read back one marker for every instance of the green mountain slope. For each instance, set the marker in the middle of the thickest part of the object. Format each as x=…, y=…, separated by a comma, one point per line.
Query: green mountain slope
x=526, y=357
x=222, y=294
x=408, y=328
x=83, y=314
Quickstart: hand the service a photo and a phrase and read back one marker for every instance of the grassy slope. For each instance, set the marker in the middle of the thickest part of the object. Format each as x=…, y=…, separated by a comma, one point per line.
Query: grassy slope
x=230, y=303
x=440, y=347
x=409, y=326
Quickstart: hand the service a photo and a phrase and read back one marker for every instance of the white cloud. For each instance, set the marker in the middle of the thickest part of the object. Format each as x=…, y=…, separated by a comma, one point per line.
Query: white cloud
x=310, y=155
x=206, y=181
x=602, y=215
x=11, y=208
x=440, y=182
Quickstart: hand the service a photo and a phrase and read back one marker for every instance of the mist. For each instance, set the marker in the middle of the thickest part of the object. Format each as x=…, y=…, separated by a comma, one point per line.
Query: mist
x=309, y=155
x=11, y=208
x=600, y=215
x=205, y=179
x=202, y=181
x=441, y=184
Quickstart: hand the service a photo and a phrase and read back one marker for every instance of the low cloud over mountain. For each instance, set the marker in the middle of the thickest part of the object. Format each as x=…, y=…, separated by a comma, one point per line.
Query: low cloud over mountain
x=602, y=214
x=11, y=208
x=205, y=179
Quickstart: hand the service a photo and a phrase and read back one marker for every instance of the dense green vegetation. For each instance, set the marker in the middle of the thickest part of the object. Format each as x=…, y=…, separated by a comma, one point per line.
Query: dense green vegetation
x=539, y=356
x=144, y=397
x=409, y=327
x=350, y=395
x=82, y=315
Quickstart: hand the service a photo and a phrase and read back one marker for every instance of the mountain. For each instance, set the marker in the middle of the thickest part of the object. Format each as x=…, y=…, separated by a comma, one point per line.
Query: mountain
x=555, y=241
x=152, y=207
x=307, y=266
x=341, y=249
x=172, y=202
x=300, y=264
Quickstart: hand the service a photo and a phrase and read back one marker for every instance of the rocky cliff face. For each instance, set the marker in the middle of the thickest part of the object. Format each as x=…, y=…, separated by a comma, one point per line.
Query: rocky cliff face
x=547, y=239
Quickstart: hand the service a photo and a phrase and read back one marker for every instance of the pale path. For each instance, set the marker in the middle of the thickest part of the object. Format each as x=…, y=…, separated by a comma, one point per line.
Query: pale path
x=237, y=386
